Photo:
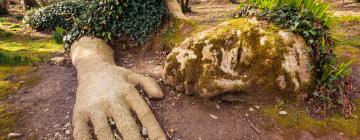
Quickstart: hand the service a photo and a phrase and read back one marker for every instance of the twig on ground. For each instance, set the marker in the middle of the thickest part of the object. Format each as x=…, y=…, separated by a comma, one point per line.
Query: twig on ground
x=257, y=130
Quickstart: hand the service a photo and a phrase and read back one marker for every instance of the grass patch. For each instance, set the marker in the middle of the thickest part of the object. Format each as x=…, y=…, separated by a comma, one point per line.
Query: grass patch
x=19, y=49
x=15, y=27
x=2, y=20
x=7, y=121
x=348, y=53
x=343, y=33
x=346, y=19
x=348, y=41
x=297, y=120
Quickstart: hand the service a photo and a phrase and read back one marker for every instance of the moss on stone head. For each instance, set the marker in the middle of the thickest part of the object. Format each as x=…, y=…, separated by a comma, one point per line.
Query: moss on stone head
x=260, y=52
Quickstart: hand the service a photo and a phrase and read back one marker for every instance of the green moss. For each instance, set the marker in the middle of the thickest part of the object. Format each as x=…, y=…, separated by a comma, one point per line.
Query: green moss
x=15, y=27
x=264, y=59
x=7, y=121
x=347, y=53
x=262, y=67
x=17, y=54
x=347, y=18
x=298, y=120
x=342, y=39
x=23, y=49
x=172, y=34
x=8, y=86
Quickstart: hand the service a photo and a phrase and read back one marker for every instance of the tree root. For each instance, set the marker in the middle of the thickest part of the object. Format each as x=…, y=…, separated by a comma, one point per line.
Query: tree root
x=175, y=9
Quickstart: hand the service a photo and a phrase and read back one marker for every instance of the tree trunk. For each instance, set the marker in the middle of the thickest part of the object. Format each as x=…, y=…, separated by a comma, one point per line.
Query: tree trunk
x=175, y=9
x=185, y=6
x=3, y=7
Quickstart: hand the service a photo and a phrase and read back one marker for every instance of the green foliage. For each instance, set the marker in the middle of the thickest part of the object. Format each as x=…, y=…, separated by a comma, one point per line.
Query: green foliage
x=309, y=19
x=135, y=19
x=58, y=35
x=316, y=7
x=60, y=14
x=19, y=17
x=142, y=18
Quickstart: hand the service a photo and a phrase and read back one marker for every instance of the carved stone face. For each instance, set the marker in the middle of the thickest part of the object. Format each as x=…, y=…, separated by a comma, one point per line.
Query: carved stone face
x=238, y=55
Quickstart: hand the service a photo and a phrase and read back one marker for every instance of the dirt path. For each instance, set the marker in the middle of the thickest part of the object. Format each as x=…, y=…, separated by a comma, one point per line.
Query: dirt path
x=211, y=13
x=48, y=105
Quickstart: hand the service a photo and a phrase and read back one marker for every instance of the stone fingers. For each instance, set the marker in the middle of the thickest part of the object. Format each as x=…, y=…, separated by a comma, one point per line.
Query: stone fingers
x=101, y=125
x=145, y=115
x=151, y=87
x=81, y=128
x=125, y=123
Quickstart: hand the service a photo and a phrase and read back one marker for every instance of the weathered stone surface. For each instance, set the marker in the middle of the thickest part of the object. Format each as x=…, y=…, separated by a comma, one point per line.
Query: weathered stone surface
x=238, y=56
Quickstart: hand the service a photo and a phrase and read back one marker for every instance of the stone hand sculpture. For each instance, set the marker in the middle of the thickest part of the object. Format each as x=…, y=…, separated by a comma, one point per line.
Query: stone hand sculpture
x=241, y=56
x=107, y=91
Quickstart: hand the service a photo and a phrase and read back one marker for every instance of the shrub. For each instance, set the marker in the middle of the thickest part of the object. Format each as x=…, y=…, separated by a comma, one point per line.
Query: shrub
x=61, y=14
x=309, y=19
x=142, y=18
x=58, y=35
x=107, y=19
x=316, y=8
x=136, y=19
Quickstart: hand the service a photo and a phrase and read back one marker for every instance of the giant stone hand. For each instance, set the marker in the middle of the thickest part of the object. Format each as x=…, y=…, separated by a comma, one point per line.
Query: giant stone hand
x=107, y=91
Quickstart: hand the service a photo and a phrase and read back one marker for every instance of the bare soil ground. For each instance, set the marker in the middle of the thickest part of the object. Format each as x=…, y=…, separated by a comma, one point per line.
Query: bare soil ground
x=211, y=13
x=47, y=107
x=344, y=7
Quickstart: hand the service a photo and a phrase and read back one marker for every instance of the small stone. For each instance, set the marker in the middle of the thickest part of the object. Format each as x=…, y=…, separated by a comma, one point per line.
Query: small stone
x=247, y=115
x=257, y=107
x=67, y=125
x=57, y=60
x=144, y=131
x=112, y=122
x=217, y=106
x=117, y=137
x=283, y=113
x=67, y=132
x=14, y=135
x=213, y=116
x=251, y=109
x=172, y=130
x=21, y=82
